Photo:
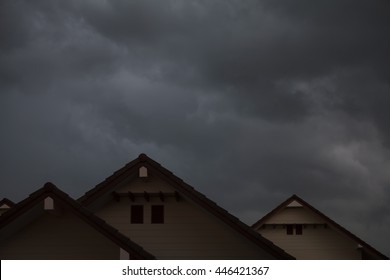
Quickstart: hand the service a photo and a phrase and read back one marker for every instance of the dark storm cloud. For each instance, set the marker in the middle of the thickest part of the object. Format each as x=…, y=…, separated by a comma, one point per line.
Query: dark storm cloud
x=205, y=45
x=249, y=101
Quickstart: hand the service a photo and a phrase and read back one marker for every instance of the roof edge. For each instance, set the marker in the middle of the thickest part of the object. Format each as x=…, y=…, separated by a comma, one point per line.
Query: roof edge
x=49, y=189
x=105, y=186
x=322, y=215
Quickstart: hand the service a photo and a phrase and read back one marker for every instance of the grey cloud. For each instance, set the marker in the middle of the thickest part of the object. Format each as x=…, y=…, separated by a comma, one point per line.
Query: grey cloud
x=245, y=100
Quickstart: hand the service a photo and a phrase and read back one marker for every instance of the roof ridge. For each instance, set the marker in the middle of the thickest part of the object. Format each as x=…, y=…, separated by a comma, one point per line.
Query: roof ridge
x=83, y=199
x=322, y=215
x=201, y=199
x=49, y=189
x=7, y=201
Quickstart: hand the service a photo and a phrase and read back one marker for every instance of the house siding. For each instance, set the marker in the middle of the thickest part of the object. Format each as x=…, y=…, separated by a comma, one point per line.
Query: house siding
x=58, y=237
x=188, y=232
x=295, y=215
x=318, y=240
x=315, y=243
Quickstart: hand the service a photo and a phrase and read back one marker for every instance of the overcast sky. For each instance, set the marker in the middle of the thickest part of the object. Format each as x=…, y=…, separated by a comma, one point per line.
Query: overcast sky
x=247, y=101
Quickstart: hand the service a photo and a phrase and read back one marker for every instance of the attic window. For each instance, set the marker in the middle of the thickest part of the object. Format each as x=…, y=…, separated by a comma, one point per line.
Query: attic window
x=137, y=214
x=48, y=203
x=298, y=229
x=143, y=172
x=157, y=214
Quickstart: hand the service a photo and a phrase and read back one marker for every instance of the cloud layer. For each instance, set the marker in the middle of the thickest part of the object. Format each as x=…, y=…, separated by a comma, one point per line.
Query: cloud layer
x=248, y=101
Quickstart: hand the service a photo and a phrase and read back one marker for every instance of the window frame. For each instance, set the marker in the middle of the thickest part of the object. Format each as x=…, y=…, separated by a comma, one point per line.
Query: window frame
x=290, y=229
x=157, y=214
x=298, y=229
x=137, y=214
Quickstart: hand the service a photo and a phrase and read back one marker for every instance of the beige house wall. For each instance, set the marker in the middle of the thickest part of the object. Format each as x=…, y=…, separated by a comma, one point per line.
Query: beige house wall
x=58, y=237
x=317, y=243
x=317, y=240
x=295, y=215
x=188, y=232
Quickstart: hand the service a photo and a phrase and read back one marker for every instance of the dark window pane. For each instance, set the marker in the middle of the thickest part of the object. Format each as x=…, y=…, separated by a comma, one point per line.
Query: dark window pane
x=298, y=229
x=137, y=214
x=289, y=229
x=157, y=214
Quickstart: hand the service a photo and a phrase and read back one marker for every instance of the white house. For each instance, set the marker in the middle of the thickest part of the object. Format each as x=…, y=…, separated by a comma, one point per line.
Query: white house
x=306, y=233
x=50, y=225
x=170, y=219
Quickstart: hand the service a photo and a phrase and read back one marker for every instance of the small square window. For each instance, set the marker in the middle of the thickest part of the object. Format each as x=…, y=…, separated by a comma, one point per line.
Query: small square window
x=290, y=229
x=298, y=229
x=137, y=214
x=157, y=214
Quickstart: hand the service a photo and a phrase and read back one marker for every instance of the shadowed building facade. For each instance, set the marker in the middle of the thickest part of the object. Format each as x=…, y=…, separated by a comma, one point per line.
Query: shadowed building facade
x=169, y=218
x=51, y=225
x=142, y=211
x=306, y=233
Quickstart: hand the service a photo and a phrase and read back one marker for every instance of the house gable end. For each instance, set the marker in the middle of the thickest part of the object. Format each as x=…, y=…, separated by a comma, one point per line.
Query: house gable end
x=330, y=233
x=112, y=200
x=63, y=221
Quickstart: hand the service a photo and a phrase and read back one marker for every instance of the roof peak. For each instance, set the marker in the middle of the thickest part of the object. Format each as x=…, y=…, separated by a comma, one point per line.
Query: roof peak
x=7, y=202
x=328, y=220
x=49, y=186
x=109, y=185
x=143, y=157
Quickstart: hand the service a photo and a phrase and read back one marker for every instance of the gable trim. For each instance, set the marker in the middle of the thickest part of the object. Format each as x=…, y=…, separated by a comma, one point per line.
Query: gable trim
x=295, y=198
x=50, y=190
x=108, y=186
x=5, y=203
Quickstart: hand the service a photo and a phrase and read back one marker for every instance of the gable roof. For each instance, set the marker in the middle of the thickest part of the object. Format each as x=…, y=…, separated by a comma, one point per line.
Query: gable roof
x=6, y=202
x=329, y=221
x=108, y=186
x=50, y=190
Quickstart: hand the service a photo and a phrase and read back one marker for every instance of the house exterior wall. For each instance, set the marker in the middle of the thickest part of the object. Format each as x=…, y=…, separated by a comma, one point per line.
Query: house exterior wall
x=295, y=215
x=58, y=237
x=318, y=241
x=188, y=232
